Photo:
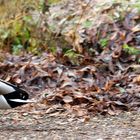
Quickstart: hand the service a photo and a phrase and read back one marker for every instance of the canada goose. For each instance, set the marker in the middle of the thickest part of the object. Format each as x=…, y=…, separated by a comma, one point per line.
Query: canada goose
x=12, y=96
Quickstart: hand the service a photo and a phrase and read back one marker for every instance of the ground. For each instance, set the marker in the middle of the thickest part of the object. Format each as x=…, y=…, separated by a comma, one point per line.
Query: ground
x=17, y=124
x=40, y=123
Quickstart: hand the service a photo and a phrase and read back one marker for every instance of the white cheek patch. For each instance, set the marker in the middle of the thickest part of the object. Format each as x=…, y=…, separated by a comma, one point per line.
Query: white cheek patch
x=5, y=88
x=3, y=103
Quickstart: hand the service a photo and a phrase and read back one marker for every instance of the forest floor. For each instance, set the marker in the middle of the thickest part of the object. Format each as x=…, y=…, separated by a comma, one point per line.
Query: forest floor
x=42, y=122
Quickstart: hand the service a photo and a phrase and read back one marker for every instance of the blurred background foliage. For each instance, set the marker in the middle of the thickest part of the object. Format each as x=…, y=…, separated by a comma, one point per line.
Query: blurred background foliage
x=22, y=27
x=32, y=26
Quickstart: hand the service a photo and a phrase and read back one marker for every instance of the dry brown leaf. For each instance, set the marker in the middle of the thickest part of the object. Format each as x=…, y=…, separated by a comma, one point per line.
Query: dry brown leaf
x=16, y=79
x=136, y=28
x=67, y=99
x=136, y=79
x=74, y=39
x=108, y=85
x=88, y=68
x=78, y=94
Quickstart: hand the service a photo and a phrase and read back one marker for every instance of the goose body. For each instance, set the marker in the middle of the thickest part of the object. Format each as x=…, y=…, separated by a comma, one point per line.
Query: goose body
x=12, y=96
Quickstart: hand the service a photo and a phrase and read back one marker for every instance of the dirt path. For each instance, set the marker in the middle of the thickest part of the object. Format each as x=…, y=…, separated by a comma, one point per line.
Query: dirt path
x=19, y=125
x=27, y=124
